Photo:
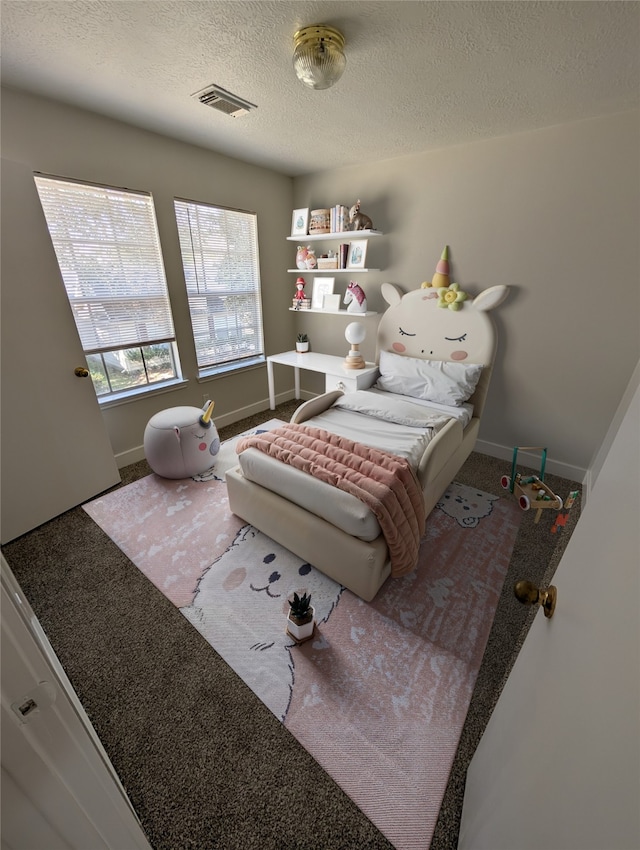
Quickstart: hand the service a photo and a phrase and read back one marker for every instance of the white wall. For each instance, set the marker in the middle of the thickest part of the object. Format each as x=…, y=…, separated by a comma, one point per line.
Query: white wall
x=69, y=142
x=554, y=214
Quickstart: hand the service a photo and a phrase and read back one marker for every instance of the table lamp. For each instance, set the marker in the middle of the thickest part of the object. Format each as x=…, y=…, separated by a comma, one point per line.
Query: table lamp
x=355, y=333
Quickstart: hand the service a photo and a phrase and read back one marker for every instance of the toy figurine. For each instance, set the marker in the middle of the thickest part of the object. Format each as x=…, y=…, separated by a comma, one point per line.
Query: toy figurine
x=358, y=220
x=355, y=298
x=310, y=261
x=300, y=285
x=301, y=257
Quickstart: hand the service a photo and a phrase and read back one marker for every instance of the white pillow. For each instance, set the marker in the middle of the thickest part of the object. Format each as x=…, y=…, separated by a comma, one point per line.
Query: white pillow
x=441, y=381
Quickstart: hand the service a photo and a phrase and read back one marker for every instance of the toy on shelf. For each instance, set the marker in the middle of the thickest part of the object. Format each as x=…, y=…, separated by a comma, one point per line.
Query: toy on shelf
x=300, y=300
x=531, y=490
x=300, y=285
x=355, y=298
x=301, y=257
x=357, y=219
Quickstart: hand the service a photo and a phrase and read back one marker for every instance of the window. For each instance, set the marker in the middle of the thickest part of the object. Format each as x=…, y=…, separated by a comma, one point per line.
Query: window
x=107, y=245
x=220, y=258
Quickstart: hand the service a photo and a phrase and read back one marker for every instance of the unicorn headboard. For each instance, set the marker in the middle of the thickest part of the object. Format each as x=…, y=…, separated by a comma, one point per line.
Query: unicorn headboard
x=442, y=324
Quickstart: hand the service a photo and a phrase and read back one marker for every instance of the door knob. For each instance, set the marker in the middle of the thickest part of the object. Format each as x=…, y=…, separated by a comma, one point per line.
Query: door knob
x=527, y=593
x=81, y=372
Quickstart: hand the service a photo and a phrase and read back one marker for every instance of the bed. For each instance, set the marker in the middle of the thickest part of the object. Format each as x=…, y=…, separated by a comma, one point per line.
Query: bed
x=435, y=350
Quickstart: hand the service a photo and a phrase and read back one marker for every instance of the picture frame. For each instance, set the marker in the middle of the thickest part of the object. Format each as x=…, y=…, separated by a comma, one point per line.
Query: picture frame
x=357, y=254
x=331, y=303
x=300, y=222
x=321, y=286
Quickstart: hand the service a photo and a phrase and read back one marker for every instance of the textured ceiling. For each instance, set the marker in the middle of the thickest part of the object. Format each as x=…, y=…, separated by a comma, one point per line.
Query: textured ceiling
x=419, y=75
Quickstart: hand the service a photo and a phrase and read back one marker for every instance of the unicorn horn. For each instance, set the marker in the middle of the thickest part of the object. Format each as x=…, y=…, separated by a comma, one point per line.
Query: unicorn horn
x=441, y=277
x=205, y=419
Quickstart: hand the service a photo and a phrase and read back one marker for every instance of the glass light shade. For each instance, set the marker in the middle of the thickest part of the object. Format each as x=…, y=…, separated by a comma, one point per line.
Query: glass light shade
x=355, y=333
x=318, y=59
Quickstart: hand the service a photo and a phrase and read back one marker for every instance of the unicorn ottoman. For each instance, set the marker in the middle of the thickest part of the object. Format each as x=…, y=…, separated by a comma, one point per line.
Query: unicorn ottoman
x=181, y=441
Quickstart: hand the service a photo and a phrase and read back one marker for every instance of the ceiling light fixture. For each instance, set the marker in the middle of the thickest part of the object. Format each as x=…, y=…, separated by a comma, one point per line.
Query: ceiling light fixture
x=318, y=57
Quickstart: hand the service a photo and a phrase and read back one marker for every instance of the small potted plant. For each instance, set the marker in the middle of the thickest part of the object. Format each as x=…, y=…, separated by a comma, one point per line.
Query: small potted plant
x=302, y=343
x=300, y=622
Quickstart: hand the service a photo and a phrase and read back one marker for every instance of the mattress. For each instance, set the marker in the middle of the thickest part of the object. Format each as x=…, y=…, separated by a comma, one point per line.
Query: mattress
x=376, y=418
x=339, y=508
x=394, y=423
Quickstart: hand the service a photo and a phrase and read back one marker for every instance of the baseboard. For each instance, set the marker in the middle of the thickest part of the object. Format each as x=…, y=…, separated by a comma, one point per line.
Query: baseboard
x=531, y=459
x=130, y=456
x=137, y=453
x=573, y=473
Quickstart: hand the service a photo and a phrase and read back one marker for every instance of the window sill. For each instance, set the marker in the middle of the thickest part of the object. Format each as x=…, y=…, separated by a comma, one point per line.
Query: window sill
x=230, y=369
x=138, y=393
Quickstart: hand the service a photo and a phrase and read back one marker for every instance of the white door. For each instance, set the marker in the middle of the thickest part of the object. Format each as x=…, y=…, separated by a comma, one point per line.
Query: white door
x=558, y=767
x=59, y=789
x=56, y=451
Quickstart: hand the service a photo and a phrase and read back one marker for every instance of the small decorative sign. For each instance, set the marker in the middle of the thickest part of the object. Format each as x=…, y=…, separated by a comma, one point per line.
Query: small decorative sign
x=331, y=302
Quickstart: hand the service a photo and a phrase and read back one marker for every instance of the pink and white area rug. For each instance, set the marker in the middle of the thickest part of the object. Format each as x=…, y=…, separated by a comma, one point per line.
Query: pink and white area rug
x=379, y=696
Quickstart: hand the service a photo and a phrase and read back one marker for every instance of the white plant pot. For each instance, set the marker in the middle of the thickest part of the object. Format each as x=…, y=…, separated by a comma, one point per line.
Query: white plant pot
x=301, y=632
x=301, y=347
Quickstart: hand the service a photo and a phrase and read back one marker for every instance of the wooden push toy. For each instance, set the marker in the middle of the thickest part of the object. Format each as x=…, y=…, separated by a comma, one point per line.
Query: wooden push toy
x=531, y=491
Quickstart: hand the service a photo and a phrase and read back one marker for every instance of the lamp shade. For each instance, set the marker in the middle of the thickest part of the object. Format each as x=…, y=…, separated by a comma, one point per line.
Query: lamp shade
x=355, y=333
x=318, y=57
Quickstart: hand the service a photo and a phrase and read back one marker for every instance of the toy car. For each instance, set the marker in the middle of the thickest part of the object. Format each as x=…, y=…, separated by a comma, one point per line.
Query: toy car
x=531, y=490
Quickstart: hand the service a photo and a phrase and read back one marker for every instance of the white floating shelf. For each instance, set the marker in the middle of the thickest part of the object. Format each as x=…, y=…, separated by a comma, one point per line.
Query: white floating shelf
x=330, y=271
x=333, y=312
x=347, y=235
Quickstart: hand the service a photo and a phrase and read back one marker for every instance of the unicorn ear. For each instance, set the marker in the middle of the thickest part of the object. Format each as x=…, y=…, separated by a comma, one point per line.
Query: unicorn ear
x=490, y=298
x=391, y=294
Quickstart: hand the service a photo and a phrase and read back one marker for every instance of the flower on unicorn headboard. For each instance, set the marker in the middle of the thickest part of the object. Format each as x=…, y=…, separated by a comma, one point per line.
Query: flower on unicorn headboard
x=451, y=296
x=355, y=298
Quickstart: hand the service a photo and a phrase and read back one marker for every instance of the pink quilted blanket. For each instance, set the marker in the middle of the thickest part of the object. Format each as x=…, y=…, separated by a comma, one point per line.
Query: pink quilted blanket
x=384, y=482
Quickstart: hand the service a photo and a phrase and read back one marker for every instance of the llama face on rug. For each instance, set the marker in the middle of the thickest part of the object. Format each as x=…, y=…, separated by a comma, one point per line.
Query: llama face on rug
x=241, y=607
x=466, y=504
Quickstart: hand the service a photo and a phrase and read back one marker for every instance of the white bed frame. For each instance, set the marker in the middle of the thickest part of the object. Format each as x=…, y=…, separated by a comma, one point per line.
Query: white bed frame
x=363, y=566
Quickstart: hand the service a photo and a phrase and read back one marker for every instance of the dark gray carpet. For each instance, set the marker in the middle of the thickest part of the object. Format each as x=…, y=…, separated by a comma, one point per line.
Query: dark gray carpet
x=204, y=762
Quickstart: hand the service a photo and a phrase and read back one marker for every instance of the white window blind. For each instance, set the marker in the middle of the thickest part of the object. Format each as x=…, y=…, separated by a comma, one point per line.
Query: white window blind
x=107, y=245
x=220, y=258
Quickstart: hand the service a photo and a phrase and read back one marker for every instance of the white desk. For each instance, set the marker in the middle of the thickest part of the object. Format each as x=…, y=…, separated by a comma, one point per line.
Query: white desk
x=336, y=376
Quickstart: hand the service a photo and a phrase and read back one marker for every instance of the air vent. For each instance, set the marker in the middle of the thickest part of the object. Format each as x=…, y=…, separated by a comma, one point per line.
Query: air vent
x=222, y=100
